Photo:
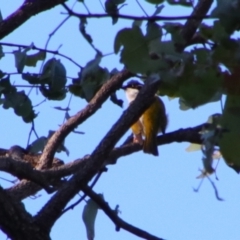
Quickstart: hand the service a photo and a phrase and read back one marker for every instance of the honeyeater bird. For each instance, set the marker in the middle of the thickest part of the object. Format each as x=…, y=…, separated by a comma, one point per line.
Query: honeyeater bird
x=152, y=121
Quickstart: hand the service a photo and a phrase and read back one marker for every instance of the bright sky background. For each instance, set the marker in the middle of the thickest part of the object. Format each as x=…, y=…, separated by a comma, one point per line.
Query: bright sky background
x=155, y=194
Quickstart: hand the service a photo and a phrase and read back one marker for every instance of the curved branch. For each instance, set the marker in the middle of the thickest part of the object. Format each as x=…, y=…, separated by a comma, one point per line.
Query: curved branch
x=52, y=210
x=22, y=169
x=16, y=222
x=116, y=219
x=101, y=96
x=24, y=12
x=21, y=191
x=193, y=23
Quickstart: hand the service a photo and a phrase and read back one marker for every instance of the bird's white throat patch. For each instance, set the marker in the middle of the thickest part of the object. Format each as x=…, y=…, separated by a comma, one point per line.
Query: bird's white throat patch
x=131, y=94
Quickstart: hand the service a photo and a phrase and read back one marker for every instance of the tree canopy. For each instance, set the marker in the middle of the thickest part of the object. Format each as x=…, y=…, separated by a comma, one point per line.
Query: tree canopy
x=193, y=58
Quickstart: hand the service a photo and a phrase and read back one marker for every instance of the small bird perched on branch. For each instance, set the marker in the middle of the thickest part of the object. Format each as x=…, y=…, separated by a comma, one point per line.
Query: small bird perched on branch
x=152, y=121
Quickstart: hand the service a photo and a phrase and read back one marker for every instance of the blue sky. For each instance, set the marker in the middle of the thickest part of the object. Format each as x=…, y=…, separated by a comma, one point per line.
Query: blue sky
x=155, y=194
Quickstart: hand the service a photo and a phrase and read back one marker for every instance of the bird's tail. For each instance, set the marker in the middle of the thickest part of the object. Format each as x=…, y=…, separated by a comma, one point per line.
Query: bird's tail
x=150, y=146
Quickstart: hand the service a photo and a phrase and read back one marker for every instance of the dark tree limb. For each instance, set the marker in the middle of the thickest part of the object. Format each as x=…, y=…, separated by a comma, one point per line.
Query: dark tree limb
x=52, y=210
x=101, y=96
x=23, y=13
x=21, y=170
x=16, y=223
x=116, y=219
x=190, y=135
x=191, y=25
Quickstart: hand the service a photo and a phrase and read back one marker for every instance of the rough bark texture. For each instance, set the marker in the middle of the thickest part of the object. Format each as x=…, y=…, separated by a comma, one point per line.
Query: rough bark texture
x=15, y=221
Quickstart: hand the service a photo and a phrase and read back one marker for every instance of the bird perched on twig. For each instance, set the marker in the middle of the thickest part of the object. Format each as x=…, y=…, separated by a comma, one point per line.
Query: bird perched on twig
x=152, y=121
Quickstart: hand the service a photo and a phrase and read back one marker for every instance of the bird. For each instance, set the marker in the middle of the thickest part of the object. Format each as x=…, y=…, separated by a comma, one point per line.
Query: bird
x=152, y=121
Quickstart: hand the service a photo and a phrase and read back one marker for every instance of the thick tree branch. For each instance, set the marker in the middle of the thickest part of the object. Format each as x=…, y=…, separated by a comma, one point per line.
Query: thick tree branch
x=182, y=135
x=16, y=222
x=26, y=11
x=193, y=23
x=116, y=219
x=101, y=96
x=191, y=135
x=21, y=170
x=31, y=158
x=52, y=210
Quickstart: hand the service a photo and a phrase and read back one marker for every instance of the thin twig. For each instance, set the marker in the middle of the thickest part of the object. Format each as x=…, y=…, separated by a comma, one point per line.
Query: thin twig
x=41, y=49
x=142, y=8
x=116, y=219
x=122, y=16
x=72, y=206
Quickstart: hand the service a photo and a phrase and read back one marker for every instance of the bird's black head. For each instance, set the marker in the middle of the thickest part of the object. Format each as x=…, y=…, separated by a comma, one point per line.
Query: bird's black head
x=133, y=84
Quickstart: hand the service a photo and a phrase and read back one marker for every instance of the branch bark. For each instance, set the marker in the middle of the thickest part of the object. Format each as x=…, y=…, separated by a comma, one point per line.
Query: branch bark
x=24, y=12
x=25, y=188
x=117, y=220
x=16, y=222
x=101, y=96
x=52, y=210
x=191, y=25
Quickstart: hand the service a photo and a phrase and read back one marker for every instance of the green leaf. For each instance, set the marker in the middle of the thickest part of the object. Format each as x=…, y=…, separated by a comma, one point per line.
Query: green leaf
x=91, y=66
x=115, y=100
x=38, y=145
x=21, y=104
x=2, y=74
x=89, y=216
x=21, y=57
x=166, y=51
x=1, y=51
x=135, y=53
x=1, y=18
x=90, y=80
x=6, y=86
x=82, y=28
x=33, y=78
x=54, y=73
x=52, y=94
x=200, y=85
x=31, y=60
x=175, y=30
x=154, y=31
x=111, y=7
x=20, y=60
x=229, y=139
x=228, y=13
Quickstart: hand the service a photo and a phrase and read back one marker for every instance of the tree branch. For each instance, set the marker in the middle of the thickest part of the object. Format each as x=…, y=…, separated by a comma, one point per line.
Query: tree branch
x=115, y=218
x=136, y=18
x=16, y=222
x=23, y=13
x=24, y=170
x=101, y=96
x=33, y=47
x=182, y=135
x=193, y=23
x=52, y=210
